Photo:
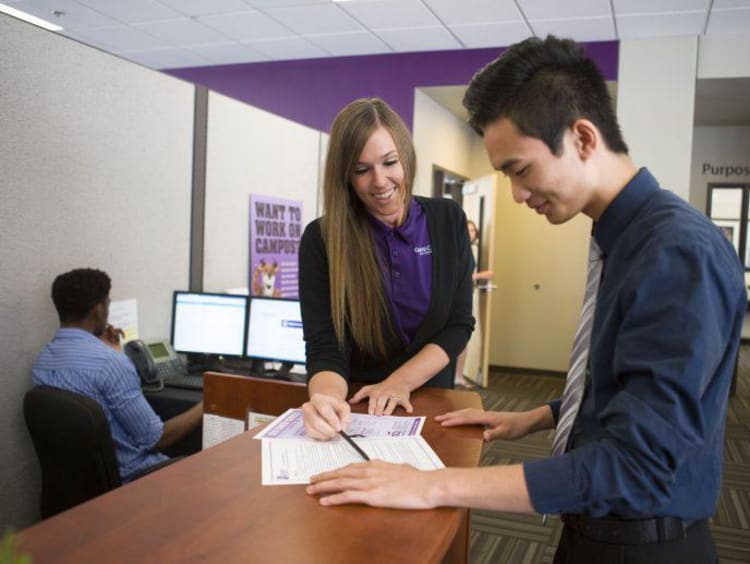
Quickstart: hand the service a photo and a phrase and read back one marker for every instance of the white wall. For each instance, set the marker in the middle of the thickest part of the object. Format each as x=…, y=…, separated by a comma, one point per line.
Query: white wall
x=727, y=147
x=96, y=159
x=724, y=56
x=250, y=152
x=655, y=106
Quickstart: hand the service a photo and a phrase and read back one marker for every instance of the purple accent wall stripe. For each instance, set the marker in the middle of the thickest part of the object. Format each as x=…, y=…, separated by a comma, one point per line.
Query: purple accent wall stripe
x=312, y=91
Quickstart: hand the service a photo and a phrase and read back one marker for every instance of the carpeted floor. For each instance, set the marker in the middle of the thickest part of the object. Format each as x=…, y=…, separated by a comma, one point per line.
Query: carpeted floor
x=510, y=538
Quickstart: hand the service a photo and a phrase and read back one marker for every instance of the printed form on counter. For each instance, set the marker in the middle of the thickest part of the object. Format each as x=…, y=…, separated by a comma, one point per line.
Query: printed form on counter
x=289, y=456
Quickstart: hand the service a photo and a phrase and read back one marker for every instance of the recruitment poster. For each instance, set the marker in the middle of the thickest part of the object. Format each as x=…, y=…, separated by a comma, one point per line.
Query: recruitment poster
x=275, y=231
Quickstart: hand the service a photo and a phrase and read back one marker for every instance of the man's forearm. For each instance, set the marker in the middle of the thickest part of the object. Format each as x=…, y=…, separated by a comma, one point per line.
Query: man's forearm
x=541, y=419
x=179, y=426
x=499, y=488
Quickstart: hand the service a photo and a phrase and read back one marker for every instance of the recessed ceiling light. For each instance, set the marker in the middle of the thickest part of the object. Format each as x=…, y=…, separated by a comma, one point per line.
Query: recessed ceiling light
x=29, y=18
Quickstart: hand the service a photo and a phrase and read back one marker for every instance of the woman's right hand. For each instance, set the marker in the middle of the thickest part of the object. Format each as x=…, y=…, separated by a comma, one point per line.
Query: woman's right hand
x=324, y=416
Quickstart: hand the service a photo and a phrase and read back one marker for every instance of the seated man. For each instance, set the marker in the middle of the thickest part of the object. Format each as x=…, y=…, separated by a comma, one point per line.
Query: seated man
x=85, y=357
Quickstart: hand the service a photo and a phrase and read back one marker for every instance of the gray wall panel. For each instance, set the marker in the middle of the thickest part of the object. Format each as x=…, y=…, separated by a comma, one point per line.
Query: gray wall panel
x=96, y=159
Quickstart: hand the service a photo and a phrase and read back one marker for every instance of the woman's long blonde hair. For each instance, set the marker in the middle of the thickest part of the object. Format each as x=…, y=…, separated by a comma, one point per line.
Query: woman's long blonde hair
x=358, y=299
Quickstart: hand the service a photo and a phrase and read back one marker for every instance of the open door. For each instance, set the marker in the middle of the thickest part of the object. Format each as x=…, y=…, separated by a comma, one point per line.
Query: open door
x=478, y=202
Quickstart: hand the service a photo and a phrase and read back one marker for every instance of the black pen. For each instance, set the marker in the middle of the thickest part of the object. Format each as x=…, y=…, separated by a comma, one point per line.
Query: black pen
x=349, y=440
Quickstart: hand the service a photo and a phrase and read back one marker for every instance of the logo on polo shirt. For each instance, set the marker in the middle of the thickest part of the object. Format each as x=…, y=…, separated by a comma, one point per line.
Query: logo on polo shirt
x=422, y=251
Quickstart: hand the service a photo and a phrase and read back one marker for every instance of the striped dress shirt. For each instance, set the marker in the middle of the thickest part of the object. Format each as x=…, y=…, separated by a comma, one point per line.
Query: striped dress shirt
x=77, y=361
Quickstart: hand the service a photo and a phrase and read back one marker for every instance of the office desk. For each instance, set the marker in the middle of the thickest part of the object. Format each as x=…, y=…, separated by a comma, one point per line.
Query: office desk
x=212, y=507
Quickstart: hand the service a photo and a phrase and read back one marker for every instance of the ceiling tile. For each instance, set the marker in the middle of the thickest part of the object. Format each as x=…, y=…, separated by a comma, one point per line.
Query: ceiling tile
x=658, y=6
x=75, y=17
x=279, y=3
x=584, y=29
x=722, y=4
x=180, y=32
x=166, y=58
x=315, y=19
x=391, y=14
x=492, y=34
x=205, y=7
x=451, y=12
x=660, y=25
x=249, y=26
x=131, y=11
x=357, y=43
x=419, y=39
x=556, y=10
x=227, y=53
x=287, y=48
x=120, y=38
x=728, y=21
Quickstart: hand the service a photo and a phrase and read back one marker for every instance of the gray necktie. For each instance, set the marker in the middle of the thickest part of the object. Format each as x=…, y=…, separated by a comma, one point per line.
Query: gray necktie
x=579, y=356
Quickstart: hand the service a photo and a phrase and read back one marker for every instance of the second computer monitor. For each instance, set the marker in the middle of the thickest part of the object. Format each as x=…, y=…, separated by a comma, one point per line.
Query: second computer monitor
x=274, y=330
x=209, y=323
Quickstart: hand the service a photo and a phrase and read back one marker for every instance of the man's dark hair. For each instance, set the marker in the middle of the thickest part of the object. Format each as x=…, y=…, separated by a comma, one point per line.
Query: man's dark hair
x=76, y=292
x=543, y=86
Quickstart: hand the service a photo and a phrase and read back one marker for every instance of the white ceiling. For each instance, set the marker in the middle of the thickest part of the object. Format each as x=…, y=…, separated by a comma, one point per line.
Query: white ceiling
x=186, y=33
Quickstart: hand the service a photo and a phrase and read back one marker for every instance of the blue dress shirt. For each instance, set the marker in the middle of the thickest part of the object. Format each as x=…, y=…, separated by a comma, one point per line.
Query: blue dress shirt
x=649, y=436
x=77, y=361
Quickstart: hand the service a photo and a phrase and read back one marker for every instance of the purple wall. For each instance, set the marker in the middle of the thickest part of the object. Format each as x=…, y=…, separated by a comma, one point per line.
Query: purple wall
x=312, y=91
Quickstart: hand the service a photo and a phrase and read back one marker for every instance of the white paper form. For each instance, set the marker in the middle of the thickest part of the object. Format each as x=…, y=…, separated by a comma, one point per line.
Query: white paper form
x=217, y=429
x=257, y=419
x=293, y=461
x=289, y=425
x=123, y=314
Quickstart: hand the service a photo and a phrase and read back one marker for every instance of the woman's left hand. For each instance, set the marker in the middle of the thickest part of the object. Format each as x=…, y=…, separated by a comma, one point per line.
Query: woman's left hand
x=385, y=397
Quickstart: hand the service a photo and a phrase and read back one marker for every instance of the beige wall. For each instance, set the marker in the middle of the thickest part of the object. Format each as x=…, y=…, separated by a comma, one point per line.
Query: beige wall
x=441, y=139
x=727, y=147
x=655, y=106
x=724, y=56
x=528, y=251
x=250, y=152
x=540, y=273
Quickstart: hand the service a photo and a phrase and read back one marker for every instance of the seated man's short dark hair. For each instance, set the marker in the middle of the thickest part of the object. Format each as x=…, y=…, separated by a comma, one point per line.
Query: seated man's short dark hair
x=543, y=86
x=76, y=292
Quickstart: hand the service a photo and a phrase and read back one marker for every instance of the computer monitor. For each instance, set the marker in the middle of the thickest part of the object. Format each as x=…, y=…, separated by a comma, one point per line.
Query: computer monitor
x=274, y=330
x=211, y=324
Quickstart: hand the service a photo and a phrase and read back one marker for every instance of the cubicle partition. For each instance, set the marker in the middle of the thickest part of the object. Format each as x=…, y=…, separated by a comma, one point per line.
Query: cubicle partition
x=96, y=156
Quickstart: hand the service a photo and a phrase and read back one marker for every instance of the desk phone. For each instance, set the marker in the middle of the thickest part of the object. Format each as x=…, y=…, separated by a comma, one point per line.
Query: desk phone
x=155, y=361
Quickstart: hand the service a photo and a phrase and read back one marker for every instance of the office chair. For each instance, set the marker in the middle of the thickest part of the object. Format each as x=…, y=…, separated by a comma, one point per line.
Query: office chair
x=74, y=445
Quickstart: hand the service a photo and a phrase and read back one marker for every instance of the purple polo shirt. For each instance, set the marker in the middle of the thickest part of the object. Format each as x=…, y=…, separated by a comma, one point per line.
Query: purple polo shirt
x=405, y=255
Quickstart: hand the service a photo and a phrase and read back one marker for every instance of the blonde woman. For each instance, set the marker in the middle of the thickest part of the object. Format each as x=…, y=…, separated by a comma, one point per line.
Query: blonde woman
x=385, y=277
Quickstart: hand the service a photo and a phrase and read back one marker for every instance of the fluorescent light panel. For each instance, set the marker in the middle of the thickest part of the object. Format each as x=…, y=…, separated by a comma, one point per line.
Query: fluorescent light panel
x=29, y=18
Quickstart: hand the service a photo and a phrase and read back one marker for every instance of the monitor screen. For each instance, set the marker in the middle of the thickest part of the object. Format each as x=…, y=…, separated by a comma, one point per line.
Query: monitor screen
x=208, y=323
x=274, y=330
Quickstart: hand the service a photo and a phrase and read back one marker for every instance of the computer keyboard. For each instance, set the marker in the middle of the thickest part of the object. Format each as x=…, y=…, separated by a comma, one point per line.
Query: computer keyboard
x=191, y=382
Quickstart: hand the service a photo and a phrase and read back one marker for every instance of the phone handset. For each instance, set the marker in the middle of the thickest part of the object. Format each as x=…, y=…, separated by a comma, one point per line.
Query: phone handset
x=144, y=364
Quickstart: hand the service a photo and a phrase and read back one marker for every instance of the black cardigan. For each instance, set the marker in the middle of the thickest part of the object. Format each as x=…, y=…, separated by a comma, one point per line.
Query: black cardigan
x=448, y=323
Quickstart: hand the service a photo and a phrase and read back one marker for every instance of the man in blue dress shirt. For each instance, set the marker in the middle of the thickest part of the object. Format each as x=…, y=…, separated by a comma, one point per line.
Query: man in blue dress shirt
x=640, y=473
x=85, y=357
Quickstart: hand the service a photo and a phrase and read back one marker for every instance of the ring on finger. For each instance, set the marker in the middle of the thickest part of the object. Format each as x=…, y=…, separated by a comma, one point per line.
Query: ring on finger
x=396, y=400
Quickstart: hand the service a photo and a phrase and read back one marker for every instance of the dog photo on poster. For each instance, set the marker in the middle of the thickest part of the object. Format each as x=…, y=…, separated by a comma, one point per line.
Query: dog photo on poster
x=275, y=232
